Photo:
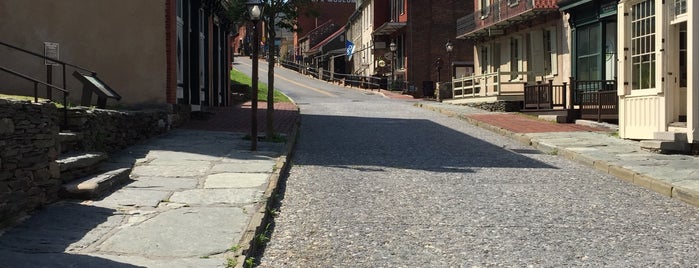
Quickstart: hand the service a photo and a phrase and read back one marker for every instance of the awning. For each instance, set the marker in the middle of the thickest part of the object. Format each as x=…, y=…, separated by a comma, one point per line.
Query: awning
x=564, y=5
x=389, y=28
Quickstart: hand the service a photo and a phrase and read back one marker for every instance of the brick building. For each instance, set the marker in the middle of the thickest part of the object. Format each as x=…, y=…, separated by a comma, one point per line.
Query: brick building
x=420, y=29
x=319, y=13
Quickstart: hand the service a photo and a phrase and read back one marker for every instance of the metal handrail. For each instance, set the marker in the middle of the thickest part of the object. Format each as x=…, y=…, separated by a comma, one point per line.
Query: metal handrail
x=36, y=90
x=47, y=58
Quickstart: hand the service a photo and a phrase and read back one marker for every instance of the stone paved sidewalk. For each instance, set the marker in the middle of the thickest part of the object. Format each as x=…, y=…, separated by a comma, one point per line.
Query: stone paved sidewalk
x=675, y=176
x=196, y=199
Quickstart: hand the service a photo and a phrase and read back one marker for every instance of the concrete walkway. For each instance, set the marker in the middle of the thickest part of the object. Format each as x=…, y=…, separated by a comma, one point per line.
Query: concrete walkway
x=675, y=176
x=196, y=199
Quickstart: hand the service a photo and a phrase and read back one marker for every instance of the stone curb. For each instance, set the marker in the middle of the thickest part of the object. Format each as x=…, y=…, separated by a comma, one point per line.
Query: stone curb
x=659, y=186
x=263, y=216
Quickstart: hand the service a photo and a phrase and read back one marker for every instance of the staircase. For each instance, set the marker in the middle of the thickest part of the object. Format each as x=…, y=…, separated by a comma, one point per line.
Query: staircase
x=86, y=175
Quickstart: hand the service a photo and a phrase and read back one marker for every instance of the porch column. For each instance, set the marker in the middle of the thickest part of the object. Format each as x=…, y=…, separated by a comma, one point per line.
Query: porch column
x=692, y=80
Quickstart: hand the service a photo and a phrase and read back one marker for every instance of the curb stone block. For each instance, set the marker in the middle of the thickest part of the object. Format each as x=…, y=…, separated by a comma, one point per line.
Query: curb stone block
x=601, y=165
x=686, y=195
x=568, y=154
x=585, y=160
x=622, y=173
x=658, y=186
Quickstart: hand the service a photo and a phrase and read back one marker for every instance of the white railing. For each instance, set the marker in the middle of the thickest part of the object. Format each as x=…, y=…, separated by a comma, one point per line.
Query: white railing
x=490, y=84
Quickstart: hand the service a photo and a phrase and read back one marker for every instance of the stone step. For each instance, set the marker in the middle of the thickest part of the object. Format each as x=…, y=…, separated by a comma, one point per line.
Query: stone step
x=69, y=141
x=554, y=118
x=659, y=146
x=670, y=136
x=77, y=165
x=95, y=186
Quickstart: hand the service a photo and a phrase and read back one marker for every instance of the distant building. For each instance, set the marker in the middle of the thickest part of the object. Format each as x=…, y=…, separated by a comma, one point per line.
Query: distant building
x=420, y=29
x=318, y=14
x=516, y=43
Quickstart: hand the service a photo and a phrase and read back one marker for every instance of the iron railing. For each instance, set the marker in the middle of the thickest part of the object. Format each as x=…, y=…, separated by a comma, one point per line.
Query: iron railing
x=366, y=82
x=49, y=68
x=36, y=90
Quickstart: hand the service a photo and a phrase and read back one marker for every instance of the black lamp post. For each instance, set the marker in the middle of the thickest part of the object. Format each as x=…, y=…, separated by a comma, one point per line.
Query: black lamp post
x=450, y=47
x=393, y=47
x=255, y=8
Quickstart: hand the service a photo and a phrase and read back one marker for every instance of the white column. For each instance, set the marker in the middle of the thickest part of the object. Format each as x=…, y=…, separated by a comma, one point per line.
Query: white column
x=692, y=80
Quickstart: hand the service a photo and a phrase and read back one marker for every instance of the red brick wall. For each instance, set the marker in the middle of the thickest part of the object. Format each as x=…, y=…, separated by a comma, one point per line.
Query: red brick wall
x=320, y=12
x=430, y=24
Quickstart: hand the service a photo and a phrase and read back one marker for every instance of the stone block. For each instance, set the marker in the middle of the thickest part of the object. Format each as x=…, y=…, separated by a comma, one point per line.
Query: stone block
x=622, y=173
x=686, y=195
x=553, y=118
x=7, y=126
x=670, y=136
x=656, y=185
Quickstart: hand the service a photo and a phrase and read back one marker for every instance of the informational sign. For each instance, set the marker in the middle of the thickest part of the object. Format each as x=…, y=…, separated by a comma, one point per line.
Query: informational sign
x=51, y=50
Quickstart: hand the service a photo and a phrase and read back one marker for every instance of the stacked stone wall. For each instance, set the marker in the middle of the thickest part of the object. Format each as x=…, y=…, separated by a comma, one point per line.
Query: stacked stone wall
x=28, y=171
x=29, y=174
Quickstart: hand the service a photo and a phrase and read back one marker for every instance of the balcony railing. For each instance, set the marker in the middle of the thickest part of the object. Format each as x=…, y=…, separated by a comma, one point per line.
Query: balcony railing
x=500, y=14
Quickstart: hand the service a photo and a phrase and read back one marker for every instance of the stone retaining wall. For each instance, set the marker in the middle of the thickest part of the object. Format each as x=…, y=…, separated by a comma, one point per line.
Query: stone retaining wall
x=29, y=175
x=109, y=130
x=28, y=171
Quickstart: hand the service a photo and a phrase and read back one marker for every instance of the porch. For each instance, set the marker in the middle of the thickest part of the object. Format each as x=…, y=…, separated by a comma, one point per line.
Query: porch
x=591, y=100
x=489, y=87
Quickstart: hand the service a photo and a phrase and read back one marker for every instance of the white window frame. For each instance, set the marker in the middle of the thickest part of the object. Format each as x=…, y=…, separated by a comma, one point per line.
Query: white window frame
x=484, y=58
x=639, y=48
x=552, y=50
x=516, y=63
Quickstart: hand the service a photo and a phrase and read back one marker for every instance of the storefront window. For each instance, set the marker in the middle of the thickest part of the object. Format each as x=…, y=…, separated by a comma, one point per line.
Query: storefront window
x=643, y=45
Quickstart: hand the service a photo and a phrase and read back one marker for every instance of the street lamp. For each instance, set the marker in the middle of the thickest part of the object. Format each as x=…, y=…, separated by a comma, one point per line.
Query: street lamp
x=393, y=47
x=450, y=47
x=255, y=9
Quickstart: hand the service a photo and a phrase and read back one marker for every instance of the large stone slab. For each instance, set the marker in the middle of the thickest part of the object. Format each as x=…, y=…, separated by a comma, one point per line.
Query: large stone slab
x=236, y=180
x=60, y=227
x=216, y=196
x=183, y=170
x=251, y=166
x=163, y=183
x=185, y=232
x=129, y=197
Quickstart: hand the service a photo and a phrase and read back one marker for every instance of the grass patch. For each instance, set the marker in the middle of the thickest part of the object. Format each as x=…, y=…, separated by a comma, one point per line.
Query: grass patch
x=240, y=78
x=28, y=98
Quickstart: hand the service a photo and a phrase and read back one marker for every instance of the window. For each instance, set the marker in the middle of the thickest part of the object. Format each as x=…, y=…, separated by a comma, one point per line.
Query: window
x=643, y=45
x=683, y=55
x=550, y=54
x=484, y=59
x=680, y=7
x=515, y=57
x=588, y=53
x=484, y=5
x=512, y=2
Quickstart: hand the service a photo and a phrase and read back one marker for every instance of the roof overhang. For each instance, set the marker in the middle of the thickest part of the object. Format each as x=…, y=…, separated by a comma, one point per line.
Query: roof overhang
x=389, y=28
x=498, y=28
x=564, y=5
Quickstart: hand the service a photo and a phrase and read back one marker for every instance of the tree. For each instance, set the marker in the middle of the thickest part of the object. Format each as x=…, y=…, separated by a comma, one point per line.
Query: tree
x=282, y=14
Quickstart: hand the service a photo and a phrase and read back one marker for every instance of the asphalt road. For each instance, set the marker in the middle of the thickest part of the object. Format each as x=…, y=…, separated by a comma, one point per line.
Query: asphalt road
x=379, y=183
